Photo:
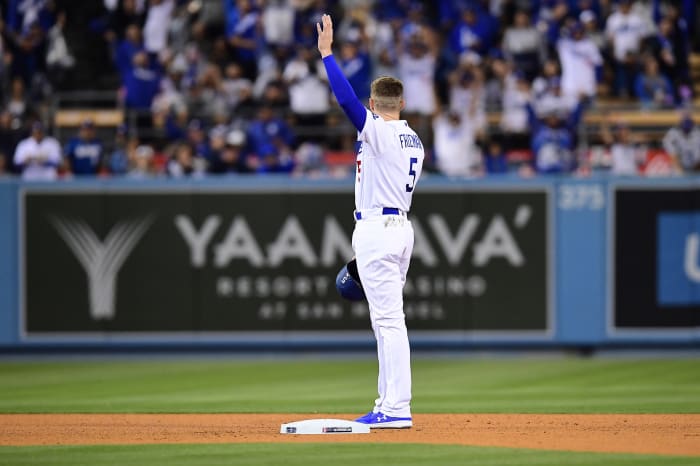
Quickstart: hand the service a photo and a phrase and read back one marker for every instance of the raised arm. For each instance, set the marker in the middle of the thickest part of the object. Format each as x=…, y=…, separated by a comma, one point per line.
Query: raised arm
x=532, y=118
x=342, y=89
x=576, y=114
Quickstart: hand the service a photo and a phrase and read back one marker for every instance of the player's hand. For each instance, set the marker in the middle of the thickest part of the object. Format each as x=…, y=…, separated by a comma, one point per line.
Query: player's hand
x=325, y=36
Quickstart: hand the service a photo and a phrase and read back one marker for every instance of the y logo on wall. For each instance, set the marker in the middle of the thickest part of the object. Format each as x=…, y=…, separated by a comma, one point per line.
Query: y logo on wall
x=678, y=277
x=93, y=263
x=101, y=260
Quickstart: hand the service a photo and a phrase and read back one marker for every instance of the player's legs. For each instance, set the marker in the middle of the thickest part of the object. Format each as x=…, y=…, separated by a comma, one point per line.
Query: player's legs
x=401, y=365
x=380, y=250
x=401, y=344
x=395, y=366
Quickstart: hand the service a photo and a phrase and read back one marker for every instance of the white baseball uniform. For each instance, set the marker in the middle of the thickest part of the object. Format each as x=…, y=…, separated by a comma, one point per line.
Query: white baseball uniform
x=39, y=159
x=389, y=164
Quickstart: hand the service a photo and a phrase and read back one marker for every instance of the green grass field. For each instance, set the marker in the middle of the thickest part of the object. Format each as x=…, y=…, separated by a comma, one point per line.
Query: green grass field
x=441, y=385
x=320, y=454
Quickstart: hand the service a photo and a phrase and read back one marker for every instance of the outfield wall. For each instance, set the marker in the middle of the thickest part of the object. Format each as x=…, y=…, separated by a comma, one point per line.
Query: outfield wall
x=251, y=263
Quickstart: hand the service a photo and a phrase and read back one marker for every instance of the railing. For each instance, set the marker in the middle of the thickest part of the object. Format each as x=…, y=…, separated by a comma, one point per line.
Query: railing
x=69, y=109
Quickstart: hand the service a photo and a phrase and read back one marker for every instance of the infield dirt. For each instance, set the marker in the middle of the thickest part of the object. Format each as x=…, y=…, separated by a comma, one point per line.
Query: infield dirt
x=669, y=434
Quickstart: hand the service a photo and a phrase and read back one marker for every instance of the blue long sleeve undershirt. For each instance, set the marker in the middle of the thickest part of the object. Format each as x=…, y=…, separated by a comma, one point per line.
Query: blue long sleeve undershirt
x=344, y=93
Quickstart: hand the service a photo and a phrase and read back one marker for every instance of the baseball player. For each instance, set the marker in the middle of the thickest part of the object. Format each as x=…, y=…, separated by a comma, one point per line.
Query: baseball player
x=389, y=164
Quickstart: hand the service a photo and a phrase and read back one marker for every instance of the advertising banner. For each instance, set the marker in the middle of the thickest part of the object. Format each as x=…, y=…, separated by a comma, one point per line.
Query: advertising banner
x=656, y=261
x=125, y=262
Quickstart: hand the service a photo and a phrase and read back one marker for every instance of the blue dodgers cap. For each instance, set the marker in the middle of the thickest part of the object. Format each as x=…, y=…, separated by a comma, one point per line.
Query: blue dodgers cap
x=348, y=282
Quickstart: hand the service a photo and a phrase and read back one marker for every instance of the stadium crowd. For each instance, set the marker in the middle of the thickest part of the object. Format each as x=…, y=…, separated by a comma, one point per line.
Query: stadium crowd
x=237, y=86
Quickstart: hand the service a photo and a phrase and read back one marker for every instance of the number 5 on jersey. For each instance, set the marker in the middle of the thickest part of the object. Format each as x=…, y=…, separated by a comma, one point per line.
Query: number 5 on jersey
x=411, y=172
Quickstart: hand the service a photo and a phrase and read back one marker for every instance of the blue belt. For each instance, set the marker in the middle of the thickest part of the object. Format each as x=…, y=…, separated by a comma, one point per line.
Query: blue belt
x=385, y=211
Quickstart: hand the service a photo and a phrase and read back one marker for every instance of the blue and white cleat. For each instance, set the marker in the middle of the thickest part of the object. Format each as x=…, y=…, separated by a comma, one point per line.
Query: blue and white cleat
x=383, y=421
x=366, y=418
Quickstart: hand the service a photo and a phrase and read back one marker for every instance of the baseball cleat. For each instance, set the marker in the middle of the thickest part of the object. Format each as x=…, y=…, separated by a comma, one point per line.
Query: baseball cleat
x=366, y=418
x=383, y=421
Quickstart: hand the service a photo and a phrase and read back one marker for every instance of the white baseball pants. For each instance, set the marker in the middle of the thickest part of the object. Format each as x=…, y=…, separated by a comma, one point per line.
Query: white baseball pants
x=383, y=246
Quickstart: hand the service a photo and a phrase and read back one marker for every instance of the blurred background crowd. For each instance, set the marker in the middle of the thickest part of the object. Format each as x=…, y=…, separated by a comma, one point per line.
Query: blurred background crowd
x=191, y=88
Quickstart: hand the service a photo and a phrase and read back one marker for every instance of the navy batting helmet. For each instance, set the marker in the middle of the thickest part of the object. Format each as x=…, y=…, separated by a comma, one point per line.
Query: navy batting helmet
x=348, y=282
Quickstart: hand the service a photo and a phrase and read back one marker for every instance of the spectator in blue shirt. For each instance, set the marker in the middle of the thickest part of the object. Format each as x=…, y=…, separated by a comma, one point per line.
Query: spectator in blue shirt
x=673, y=47
x=244, y=37
x=682, y=13
x=662, y=46
x=126, y=49
x=197, y=140
x=118, y=161
x=653, y=89
x=22, y=13
x=84, y=153
x=28, y=49
x=271, y=139
x=142, y=82
x=550, y=19
x=176, y=124
x=554, y=138
x=448, y=12
x=356, y=66
x=469, y=34
x=490, y=24
x=495, y=162
x=232, y=16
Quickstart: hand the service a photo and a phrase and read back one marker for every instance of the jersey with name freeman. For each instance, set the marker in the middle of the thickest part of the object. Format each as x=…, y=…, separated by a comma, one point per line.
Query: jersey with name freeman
x=389, y=164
